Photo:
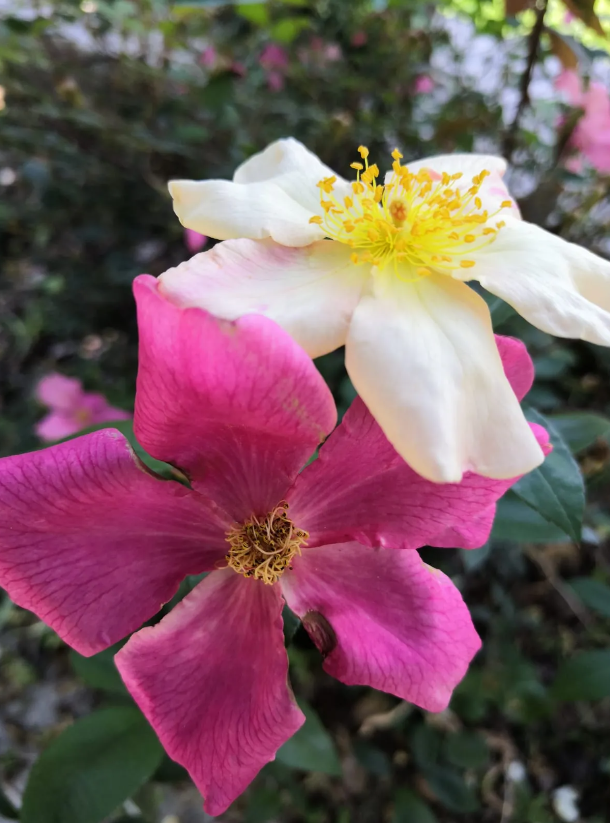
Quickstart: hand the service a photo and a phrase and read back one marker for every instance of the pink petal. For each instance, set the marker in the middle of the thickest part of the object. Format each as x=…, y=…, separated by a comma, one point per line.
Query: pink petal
x=387, y=620
x=569, y=82
x=360, y=489
x=59, y=392
x=93, y=543
x=57, y=425
x=518, y=365
x=99, y=410
x=194, y=241
x=237, y=405
x=211, y=678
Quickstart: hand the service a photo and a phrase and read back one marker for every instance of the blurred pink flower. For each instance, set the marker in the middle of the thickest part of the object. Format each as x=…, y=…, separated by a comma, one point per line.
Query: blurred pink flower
x=208, y=57
x=239, y=68
x=591, y=136
x=93, y=544
x=359, y=38
x=71, y=408
x=423, y=84
x=274, y=59
x=194, y=241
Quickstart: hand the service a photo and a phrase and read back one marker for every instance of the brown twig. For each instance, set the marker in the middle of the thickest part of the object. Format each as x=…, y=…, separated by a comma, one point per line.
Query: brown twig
x=510, y=139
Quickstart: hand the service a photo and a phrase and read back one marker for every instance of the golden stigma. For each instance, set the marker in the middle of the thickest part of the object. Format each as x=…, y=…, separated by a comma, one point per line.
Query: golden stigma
x=263, y=548
x=426, y=221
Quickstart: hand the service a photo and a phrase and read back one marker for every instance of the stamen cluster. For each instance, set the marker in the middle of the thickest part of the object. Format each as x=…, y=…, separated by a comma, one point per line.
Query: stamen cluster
x=264, y=548
x=424, y=219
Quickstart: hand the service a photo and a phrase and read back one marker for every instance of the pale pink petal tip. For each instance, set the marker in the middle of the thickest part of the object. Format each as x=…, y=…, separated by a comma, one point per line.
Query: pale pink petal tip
x=194, y=241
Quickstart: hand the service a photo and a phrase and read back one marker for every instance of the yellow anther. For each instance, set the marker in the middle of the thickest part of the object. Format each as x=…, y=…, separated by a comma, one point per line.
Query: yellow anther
x=327, y=184
x=396, y=154
x=469, y=238
x=363, y=152
x=316, y=219
x=506, y=204
x=423, y=272
x=477, y=202
x=357, y=187
x=467, y=264
x=357, y=166
x=349, y=203
x=354, y=258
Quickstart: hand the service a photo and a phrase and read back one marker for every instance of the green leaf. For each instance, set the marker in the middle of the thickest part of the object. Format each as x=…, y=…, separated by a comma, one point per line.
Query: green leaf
x=291, y=624
x=311, y=748
x=516, y=521
x=99, y=671
x=91, y=768
x=256, y=13
x=425, y=745
x=581, y=429
x=6, y=807
x=473, y=558
x=584, y=676
x=410, y=808
x=466, y=749
x=451, y=790
x=593, y=593
x=556, y=488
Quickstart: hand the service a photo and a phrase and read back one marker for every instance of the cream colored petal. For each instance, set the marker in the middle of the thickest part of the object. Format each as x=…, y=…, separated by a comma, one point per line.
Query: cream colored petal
x=423, y=357
x=293, y=168
x=557, y=286
x=226, y=210
x=310, y=292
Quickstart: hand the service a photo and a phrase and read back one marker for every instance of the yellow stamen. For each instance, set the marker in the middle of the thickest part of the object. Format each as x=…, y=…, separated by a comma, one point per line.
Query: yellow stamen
x=316, y=219
x=263, y=548
x=423, y=222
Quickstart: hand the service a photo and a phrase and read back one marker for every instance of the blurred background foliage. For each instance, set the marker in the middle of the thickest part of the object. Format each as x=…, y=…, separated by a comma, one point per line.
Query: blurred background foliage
x=103, y=103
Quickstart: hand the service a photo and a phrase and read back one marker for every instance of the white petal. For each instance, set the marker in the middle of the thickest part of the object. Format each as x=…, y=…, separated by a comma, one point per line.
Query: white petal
x=493, y=191
x=226, y=210
x=310, y=292
x=557, y=286
x=423, y=357
x=293, y=168
x=468, y=164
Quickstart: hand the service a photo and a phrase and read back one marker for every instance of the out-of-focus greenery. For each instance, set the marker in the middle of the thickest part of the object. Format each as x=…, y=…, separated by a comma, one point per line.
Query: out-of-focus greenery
x=105, y=101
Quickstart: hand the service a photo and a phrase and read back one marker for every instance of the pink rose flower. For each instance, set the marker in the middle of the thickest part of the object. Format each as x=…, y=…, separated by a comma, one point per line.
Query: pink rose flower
x=93, y=544
x=591, y=136
x=194, y=241
x=423, y=84
x=71, y=408
x=274, y=59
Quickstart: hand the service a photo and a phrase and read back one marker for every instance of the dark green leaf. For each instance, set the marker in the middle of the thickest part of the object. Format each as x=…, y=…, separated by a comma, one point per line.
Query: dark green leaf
x=91, y=768
x=311, y=748
x=451, y=790
x=6, y=807
x=291, y=624
x=584, y=676
x=593, y=593
x=581, y=429
x=556, y=488
x=465, y=749
x=425, y=745
x=410, y=808
x=515, y=520
x=99, y=671
x=473, y=558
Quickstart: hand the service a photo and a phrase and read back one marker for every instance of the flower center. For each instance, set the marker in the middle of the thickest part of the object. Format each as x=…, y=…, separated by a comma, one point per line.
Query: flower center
x=264, y=548
x=424, y=219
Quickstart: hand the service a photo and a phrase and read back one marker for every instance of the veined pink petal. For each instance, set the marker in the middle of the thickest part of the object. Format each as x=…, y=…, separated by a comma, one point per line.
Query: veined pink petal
x=94, y=544
x=392, y=622
x=57, y=425
x=211, y=678
x=59, y=392
x=237, y=405
x=360, y=489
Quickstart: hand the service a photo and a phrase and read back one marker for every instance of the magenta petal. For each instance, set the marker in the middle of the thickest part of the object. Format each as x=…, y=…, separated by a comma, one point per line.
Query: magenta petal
x=387, y=620
x=518, y=365
x=94, y=544
x=236, y=405
x=211, y=678
x=360, y=489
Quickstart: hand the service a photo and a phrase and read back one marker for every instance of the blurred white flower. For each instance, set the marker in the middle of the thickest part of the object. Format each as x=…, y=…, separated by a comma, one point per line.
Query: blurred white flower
x=565, y=803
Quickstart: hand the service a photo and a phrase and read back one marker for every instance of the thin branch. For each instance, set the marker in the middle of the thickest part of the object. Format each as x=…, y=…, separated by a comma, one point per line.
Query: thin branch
x=534, y=43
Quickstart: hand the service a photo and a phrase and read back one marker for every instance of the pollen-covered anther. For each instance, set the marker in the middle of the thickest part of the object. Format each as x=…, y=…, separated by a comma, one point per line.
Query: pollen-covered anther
x=264, y=547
